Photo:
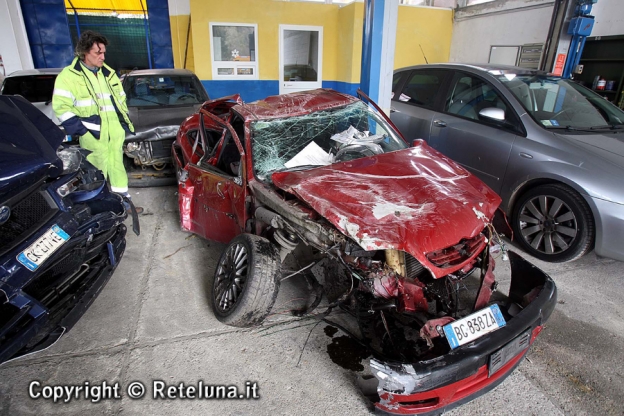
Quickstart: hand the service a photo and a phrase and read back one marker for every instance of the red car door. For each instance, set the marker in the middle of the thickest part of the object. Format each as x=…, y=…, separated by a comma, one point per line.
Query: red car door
x=218, y=204
x=212, y=197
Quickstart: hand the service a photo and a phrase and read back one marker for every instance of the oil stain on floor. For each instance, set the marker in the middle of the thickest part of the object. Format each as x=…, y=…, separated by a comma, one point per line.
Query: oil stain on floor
x=345, y=351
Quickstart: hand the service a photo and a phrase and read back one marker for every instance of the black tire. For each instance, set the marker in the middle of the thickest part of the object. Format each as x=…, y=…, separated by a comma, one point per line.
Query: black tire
x=246, y=281
x=553, y=223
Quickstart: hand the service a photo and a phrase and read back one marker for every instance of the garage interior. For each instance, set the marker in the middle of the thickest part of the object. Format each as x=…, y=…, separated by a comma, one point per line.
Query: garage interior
x=153, y=320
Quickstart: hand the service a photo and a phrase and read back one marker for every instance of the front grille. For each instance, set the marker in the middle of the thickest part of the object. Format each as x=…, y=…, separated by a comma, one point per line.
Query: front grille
x=413, y=267
x=458, y=253
x=161, y=148
x=27, y=215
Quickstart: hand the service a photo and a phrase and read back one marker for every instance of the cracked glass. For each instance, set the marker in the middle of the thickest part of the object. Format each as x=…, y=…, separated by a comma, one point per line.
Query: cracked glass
x=320, y=138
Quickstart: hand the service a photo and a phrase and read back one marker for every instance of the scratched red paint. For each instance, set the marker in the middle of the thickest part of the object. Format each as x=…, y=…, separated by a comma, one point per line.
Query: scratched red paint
x=435, y=198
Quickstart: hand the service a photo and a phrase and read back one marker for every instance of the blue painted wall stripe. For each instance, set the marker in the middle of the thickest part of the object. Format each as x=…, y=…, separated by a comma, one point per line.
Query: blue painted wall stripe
x=376, y=44
x=48, y=32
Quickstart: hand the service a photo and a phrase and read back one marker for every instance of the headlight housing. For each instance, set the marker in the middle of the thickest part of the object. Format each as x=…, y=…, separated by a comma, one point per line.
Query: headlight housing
x=71, y=157
x=132, y=146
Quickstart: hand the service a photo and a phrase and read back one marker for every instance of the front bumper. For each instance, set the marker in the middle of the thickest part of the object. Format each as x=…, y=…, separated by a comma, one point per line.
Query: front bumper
x=40, y=320
x=610, y=230
x=38, y=305
x=440, y=384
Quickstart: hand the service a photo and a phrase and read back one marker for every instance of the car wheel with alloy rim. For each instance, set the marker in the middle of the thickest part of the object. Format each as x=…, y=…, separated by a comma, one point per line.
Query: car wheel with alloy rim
x=246, y=281
x=553, y=223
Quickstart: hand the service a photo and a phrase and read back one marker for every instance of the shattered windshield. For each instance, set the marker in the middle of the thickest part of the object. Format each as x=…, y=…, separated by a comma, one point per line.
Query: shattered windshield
x=320, y=138
x=558, y=103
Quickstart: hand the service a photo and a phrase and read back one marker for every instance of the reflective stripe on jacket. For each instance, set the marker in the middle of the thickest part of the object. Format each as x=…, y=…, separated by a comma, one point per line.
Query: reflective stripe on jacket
x=80, y=105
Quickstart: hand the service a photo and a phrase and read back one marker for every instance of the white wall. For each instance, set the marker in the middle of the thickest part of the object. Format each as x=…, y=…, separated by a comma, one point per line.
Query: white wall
x=502, y=22
x=179, y=7
x=14, y=46
x=609, y=18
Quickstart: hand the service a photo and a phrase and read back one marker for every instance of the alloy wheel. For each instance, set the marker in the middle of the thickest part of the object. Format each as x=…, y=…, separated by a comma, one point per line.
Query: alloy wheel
x=548, y=224
x=231, y=277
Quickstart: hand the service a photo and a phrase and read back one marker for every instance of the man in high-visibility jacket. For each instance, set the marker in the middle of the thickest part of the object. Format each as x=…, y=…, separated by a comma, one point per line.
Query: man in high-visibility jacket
x=90, y=102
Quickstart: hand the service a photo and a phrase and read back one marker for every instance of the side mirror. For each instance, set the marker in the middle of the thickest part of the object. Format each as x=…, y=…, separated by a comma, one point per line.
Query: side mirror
x=493, y=113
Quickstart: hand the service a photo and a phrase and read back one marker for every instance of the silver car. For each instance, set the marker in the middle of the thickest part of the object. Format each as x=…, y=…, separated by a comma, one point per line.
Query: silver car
x=36, y=85
x=551, y=148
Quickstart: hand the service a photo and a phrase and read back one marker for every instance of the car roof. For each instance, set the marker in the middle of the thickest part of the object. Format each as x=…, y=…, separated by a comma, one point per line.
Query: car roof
x=294, y=104
x=505, y=69
x=30, y=72
x=164, y=71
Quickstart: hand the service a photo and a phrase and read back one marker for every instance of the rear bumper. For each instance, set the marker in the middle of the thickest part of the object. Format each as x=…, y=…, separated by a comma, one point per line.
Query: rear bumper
x=440, y=384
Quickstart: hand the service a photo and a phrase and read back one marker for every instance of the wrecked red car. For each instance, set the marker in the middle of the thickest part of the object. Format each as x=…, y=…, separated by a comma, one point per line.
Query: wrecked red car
x=399, y=236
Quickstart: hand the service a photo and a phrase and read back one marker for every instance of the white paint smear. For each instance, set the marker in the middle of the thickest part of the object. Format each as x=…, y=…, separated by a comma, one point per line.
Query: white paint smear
x=480, y=215
x=383, y=209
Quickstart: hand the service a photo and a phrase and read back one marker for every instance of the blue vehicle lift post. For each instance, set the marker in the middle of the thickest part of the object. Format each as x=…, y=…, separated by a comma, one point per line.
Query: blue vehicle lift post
x=580, y=28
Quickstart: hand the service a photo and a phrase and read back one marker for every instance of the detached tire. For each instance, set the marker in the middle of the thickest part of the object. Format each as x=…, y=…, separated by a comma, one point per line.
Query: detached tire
x=246, y=281
x=554, y=223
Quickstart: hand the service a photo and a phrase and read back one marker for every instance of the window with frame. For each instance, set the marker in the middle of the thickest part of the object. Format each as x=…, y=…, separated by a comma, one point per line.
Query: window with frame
x=234, y=50
x=469, y=95
x=422, y=87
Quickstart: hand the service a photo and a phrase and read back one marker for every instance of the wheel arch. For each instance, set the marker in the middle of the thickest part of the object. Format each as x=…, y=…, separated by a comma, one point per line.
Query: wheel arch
x=525, y=184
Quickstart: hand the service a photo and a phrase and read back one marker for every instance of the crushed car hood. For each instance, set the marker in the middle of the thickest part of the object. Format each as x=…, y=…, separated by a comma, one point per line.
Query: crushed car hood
x=415, y=200
x=28, y=143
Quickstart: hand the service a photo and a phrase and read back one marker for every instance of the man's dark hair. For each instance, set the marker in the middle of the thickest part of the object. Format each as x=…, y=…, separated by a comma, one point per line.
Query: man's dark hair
x=86, y=41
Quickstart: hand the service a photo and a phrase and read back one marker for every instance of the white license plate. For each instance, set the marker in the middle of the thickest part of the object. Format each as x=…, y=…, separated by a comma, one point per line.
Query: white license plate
x=474, y=326
x=39, y=251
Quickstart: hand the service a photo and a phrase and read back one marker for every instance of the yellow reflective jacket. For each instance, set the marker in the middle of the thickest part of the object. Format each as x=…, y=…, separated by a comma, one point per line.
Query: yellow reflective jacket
x=80, y=105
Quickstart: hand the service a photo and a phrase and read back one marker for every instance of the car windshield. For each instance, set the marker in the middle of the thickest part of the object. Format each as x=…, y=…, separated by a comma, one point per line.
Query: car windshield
x=35, y=88
x=160, y=90
x=320, y=138
x=558, y=103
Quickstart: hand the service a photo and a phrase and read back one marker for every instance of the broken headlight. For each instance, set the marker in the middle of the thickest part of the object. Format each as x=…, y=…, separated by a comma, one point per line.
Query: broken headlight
x=71, y=158
x=132, y=146
x=400, y=381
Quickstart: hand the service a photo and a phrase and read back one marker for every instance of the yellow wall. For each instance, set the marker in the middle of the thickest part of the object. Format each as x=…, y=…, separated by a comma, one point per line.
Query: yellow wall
x=420, y=26
x=179, y=30
x=268, y=15
x=350, y=23
x=342, y=34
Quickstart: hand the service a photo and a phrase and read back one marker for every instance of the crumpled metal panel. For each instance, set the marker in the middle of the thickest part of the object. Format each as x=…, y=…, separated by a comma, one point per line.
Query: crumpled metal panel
x=293, y=104
x=156, y=133
x=415, y=200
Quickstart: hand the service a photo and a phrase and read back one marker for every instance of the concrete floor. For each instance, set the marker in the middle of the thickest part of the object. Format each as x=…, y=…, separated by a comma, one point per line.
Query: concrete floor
x=153, y=322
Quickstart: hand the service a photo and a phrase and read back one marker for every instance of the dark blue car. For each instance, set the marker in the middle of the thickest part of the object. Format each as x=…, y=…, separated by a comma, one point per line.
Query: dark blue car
x=61, y=231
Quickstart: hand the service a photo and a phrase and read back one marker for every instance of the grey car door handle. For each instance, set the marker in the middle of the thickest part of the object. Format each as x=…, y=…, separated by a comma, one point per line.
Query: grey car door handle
x=392, y=110
x=439, y=123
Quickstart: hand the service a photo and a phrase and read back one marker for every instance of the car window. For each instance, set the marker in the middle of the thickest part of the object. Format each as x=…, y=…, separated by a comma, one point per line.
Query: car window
x=212, y=138
x=422, y=87
x=558, y=103
x=469, y=95
x=395, y=81
x=229, y=156
x=35, y=88
x=161, y=90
